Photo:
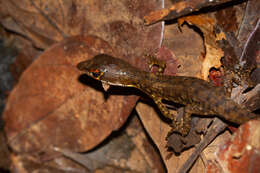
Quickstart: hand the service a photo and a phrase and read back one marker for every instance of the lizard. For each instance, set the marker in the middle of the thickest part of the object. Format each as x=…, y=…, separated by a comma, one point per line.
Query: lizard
x=198, y=96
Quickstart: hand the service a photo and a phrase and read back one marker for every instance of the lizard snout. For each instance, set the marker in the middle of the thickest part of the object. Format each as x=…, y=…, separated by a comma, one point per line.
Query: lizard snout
x=83, y=66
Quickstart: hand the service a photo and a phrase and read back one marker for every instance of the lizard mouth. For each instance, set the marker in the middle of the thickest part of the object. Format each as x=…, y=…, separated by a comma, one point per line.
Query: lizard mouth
x=105, y=86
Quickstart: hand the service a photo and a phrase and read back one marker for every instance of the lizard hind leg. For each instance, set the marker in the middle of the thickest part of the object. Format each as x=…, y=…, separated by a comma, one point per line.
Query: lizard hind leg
x=182, y=123
x=164, y=110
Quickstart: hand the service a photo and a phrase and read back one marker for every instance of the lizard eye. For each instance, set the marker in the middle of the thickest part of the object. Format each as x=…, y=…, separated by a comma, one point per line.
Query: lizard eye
x=96, y=73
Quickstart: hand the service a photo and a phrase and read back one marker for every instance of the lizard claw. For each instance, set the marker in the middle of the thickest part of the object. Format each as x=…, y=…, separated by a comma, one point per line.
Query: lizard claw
x=180, y=128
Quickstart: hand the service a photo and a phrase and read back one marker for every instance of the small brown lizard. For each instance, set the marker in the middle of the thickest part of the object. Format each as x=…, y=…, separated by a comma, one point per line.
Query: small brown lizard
x=198, y=96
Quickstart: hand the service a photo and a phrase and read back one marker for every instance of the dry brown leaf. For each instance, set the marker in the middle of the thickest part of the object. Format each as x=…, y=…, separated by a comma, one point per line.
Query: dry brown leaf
x=213, y=52
x=51, y=107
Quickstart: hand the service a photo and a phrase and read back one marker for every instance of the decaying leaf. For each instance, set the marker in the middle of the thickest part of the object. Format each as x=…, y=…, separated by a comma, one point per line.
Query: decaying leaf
x=229, y=18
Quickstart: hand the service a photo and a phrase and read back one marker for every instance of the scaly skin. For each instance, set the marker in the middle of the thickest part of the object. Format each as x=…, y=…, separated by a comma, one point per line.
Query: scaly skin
x=198, y=96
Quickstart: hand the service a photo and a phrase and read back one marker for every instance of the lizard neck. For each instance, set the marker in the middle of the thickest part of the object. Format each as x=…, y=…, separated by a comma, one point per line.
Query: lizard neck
x=144, y=80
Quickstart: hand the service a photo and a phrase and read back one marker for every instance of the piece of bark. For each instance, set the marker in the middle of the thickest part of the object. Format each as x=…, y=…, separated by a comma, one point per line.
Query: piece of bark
x=180, y=8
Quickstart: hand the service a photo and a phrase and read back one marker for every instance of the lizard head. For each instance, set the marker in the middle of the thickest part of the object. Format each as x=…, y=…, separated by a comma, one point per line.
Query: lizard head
x=109, y=70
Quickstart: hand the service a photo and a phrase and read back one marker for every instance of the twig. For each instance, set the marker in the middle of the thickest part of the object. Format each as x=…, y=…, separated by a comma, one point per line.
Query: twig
x=78, y=158
x=181, y=8
x=215, y=129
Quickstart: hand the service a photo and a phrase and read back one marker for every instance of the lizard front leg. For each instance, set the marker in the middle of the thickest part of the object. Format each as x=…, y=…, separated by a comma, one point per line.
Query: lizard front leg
x=183, y=121
x=153, y=61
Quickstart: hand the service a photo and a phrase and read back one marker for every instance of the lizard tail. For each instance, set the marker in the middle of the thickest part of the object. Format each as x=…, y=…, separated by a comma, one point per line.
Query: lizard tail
x=233, y=112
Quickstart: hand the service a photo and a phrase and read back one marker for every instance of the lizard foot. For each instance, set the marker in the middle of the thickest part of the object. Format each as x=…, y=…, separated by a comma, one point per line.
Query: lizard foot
x=182, y=122
x=178, y=127
x=153, y=61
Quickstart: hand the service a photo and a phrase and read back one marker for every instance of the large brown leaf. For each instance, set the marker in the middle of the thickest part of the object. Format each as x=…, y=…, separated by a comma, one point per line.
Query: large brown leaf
x=51, y=107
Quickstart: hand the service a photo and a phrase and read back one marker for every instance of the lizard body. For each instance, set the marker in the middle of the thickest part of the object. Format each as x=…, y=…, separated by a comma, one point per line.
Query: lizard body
x=198, y=96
